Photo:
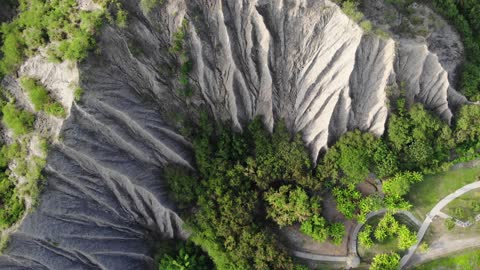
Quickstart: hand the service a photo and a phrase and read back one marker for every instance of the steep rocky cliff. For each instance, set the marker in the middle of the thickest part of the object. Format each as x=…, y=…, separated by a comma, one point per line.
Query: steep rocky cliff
x=105, y=204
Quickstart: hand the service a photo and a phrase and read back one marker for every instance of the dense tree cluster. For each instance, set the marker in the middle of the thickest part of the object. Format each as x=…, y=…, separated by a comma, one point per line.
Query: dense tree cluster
x=69, y=31
x=421, y=140
x=40, y=22
x=464, y=16
x=354, y=156
x=467, y=131
x=243, y=180
x=416, y=142
x=289, y=205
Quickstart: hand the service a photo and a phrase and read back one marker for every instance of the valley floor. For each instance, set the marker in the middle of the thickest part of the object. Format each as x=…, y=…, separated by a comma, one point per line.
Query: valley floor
x=436, y=192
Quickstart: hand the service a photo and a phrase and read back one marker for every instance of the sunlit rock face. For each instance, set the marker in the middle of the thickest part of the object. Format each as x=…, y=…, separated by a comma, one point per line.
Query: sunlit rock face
x=104, y=202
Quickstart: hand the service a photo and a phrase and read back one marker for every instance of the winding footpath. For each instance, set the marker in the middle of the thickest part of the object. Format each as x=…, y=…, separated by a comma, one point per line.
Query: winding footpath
x=352, y=260
x=352, y=244
x=434, y=212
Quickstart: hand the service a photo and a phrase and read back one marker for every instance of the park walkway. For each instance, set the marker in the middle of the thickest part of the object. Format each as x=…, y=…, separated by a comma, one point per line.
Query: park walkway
x=434, y=212
x=352, y=259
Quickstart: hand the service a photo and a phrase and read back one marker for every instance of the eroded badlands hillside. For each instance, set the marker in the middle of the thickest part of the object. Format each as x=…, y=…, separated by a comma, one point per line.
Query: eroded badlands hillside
x=104, y=203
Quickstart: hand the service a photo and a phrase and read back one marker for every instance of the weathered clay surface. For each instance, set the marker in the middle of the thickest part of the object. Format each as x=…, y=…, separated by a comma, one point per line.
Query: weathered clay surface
x=105, y=203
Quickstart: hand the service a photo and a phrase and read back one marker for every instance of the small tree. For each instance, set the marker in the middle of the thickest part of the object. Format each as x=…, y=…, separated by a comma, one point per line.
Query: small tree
x=406, y=238
x=385, y=261
x=183, y=185
x=337, y=232
x=400, y=184
x=315, y=227
x=364, y=237
x=387, y=227
x=450, y=223
x=189, y=257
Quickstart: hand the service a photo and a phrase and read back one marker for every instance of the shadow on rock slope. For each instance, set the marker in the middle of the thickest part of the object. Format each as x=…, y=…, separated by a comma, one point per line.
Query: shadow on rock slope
x=105, y=202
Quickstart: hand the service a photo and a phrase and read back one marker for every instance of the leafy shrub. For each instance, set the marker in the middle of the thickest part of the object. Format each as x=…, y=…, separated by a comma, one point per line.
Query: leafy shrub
x=406, y=238
x=422, y=140
x=189, y=257
x=40, y=98
x=337, y=232
x=148, y=5
x=387, y=227
x=37, y=93
x=366, y=26
x=55, y=109
x=467, y=128
x=400, y=184
x=350, y=9
x=354, y=156
x=385, y=261
x=77, y=94
x=19, y=121
x=183, y=186
x=315, y=227
x=12, y=50
x=121, y=19
x=364, y=237
x=12, y=206
x=347, y=200
x=450, y=223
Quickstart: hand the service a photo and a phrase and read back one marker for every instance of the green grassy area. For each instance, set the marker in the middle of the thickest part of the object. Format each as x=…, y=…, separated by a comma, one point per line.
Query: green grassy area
x=464, y=207
x=469, y=260
x=424, y=195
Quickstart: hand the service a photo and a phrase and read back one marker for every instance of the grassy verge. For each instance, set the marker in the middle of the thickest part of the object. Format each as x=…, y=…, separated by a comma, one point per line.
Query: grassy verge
x=469, y=260
x=465, y=207
x=424, y=195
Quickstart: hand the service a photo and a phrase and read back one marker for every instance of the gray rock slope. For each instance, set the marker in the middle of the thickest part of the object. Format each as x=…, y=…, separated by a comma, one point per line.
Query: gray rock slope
x=105, y=203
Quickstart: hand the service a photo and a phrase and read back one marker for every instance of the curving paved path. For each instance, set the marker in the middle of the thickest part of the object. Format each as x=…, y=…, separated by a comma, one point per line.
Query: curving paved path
x=317, y=257
x=352, y=244
x=352, y=259
x=443, y=248
x=434, y=212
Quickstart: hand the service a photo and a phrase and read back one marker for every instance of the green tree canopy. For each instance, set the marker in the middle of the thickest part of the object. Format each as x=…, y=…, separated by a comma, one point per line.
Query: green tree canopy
x=288, y=205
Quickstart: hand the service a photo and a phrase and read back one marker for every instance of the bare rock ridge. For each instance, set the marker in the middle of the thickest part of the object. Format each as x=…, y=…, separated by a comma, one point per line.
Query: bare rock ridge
x=105, y=203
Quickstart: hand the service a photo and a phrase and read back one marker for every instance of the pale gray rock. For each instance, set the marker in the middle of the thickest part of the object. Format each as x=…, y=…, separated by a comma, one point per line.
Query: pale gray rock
x=105, y=202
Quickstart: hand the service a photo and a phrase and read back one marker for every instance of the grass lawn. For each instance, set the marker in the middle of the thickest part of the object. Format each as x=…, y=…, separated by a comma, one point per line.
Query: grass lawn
x=469, y=260
x=464, y=207
x=426, y=194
